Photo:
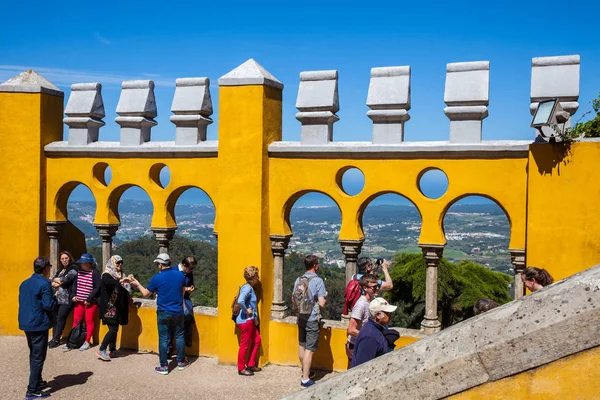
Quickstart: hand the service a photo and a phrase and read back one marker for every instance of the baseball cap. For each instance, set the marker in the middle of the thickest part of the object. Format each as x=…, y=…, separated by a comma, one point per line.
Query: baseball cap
x=163, y=258
x=379, y=304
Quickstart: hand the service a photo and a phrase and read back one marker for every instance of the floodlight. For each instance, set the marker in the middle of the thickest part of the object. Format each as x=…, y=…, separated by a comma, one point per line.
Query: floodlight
x=545, y=113
x=547, y=118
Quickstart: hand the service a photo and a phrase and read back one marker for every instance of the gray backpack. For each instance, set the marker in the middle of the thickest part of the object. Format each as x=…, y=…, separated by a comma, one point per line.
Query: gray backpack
x=302, y=304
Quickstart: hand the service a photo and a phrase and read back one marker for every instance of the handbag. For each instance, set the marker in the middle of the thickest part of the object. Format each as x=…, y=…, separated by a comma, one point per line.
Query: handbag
x=188, y=307
x=111, y=309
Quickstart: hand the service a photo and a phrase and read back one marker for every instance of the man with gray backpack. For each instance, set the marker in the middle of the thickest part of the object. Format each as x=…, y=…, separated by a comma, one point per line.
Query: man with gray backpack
x=308, y=296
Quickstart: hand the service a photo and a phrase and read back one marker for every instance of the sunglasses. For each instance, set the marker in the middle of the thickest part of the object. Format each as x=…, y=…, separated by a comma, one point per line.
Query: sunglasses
x=373, y=287
x=119, y=262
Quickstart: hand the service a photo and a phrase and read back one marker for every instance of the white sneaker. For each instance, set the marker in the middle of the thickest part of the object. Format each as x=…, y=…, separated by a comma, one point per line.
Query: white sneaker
x=85, y=346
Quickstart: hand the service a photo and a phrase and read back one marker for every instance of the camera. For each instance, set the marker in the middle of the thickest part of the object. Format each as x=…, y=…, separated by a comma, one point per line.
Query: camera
x=379, y=262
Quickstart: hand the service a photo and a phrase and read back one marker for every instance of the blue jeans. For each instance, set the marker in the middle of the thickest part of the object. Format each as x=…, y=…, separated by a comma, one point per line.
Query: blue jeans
x=168, y=323
x=38, y=346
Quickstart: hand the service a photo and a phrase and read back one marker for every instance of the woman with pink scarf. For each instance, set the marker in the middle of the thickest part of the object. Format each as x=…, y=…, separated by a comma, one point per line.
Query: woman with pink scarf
x=115, y=295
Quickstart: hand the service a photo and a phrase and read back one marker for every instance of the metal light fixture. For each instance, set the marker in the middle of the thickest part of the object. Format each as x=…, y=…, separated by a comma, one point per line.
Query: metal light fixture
x=548, y=118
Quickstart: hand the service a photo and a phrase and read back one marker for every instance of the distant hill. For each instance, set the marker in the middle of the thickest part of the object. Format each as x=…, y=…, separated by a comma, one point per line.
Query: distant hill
x=475, y=232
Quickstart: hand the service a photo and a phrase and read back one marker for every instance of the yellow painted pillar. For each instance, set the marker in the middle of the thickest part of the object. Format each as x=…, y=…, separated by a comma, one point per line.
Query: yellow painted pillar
x=31, y=110
x=249, y=120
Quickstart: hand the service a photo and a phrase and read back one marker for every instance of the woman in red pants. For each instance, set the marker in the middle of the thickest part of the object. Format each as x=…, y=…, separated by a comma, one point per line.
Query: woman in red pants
x=247, y=322
x=86, y=293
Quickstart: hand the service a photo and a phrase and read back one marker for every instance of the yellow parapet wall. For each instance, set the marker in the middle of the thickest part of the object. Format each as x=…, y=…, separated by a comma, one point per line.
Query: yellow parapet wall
x=550, y=194
x=574, y=377
x=563, y=234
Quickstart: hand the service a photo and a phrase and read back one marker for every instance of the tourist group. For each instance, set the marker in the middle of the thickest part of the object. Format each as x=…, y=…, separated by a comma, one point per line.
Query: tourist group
x=45, y=302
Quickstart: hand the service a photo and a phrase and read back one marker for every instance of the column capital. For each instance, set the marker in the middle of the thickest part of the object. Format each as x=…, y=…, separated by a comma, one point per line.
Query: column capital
x=351, y=248
x=518, y=259
x=432, y=253
x=279, y=244
x=107, y=231
x=54, y=228
x=164, y=234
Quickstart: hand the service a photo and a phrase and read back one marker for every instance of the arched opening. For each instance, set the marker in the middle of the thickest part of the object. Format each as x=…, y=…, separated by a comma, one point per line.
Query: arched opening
x=477, y=262
x=194, y=212
x=392, y=225
x=79, y=234
x=134, y=240
x=315, y=220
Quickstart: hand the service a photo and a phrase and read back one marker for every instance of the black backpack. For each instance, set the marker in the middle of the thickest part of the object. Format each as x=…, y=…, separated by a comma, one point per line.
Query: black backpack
x=76, y=337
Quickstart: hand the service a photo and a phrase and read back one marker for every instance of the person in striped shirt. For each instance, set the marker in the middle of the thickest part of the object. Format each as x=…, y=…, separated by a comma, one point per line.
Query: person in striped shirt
x=86, y=293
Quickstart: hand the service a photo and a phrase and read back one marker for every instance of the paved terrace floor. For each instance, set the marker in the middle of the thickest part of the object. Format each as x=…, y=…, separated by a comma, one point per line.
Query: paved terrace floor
x=80, y=374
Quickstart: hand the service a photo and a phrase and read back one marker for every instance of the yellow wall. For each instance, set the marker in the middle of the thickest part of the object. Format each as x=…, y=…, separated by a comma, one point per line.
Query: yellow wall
x=331, y=354
x=28, y=121
x=550, y=199
x=141, y=333
x=250, y=119
x=563, y=233
x=503, y=180
x=574, y=377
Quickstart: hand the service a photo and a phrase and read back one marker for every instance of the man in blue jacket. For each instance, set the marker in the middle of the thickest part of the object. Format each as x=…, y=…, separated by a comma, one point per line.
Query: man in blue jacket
x=371, y=341
x=36, y=303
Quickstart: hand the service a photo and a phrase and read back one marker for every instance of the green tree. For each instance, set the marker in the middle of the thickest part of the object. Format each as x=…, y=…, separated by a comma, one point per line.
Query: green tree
x=460, y=285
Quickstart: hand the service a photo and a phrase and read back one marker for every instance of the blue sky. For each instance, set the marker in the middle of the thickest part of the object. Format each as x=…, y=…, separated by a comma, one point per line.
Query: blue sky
x=108, y=42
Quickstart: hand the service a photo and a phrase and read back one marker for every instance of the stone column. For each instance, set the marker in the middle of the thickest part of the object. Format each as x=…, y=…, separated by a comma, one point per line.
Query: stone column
x=517, y=259
x=54, y=229
x=351, y=250
x=137, y=110
x=106, y=233
x=467, y=95
x=192, y=107
x=432, y=254
x=85, y=110
x=389, y=101
x=317, y=103
x=164, y=237
x=278, y=246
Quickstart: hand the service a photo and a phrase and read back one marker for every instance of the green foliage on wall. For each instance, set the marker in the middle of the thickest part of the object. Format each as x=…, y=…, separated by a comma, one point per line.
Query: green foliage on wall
x=589, y=128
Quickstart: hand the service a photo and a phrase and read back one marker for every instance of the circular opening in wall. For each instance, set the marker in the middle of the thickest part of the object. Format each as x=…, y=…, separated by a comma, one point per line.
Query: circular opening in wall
x=160, y=175
x=102, y=174
x=351, y=180
x=433, y=183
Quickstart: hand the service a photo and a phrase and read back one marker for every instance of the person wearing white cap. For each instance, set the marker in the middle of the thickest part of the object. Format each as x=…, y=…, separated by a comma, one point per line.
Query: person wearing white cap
x=371, y=341
x=168, y=285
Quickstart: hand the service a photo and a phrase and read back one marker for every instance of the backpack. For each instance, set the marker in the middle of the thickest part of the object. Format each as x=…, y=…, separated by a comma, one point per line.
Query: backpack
x=77, y=336
x=301, y=302
x=351, y=295
x=235, y=306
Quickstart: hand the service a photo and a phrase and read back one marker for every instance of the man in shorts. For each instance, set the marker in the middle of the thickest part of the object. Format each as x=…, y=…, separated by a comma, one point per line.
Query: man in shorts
x=308, y=324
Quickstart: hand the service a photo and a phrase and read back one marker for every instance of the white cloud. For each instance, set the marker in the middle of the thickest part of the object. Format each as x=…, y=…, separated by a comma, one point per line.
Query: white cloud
x=66, y=77
x=101, y=39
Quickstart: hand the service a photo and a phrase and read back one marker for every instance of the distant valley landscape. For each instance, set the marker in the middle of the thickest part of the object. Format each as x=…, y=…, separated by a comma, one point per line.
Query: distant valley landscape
x=476, y=232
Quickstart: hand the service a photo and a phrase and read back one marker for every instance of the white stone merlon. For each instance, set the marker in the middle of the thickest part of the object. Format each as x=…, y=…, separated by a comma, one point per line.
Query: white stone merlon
x=467, y=96
x=558, y=321
x=317, y=103
x=84, y=110
x=137, y=110
x=555, y=77
x=30, y=82
x=250, y=73
x=192, y=107
x=389, y=101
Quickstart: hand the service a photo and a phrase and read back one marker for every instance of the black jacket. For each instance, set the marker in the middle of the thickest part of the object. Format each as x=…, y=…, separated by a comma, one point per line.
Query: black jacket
x=95, y=295
x=121, y=304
